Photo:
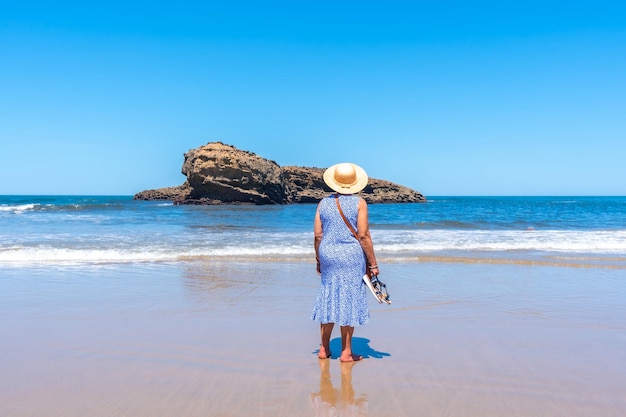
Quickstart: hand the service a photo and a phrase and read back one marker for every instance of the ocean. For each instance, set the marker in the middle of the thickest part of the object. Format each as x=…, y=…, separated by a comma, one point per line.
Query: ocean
x=61, y=230
x=500, y=306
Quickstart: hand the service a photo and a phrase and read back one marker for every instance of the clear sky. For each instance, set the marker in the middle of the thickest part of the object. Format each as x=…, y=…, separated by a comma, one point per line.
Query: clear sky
x=449, y=98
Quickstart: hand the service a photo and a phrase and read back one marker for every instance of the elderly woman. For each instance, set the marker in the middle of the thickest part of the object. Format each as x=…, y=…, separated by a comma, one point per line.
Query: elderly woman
x=344, y=253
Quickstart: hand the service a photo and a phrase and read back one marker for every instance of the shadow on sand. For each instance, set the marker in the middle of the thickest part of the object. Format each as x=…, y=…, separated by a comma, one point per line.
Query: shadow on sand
x=360, y=346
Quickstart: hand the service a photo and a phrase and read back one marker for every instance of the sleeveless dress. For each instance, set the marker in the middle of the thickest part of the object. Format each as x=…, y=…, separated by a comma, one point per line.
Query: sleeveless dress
x=342, y=297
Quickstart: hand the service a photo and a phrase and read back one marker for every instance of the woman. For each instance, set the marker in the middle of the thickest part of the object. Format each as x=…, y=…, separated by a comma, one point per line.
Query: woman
x=342, y=258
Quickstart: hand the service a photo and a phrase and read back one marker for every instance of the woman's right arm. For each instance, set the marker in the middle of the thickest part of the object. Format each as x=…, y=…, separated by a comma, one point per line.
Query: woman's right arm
x=365, y=239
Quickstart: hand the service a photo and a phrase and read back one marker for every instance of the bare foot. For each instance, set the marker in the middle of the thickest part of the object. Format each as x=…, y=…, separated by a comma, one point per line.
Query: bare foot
x=322, y=353
x=350, y=358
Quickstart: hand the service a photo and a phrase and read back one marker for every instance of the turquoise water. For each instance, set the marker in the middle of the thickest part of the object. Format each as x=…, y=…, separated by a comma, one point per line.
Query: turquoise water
x=106, y=229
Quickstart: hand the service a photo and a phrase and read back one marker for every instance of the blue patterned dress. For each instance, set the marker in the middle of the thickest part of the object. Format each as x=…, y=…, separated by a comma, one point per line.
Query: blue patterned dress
x=342, y=297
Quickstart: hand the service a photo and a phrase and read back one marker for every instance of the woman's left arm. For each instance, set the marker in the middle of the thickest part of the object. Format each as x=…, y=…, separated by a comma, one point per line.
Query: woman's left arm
x=317, y=232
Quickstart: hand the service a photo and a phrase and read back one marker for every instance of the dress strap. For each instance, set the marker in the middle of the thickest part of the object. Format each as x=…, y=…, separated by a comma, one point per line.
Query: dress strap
x=343, y=216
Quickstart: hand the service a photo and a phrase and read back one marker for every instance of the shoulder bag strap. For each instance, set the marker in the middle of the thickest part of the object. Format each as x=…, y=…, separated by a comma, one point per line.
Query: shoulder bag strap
x=345, y=219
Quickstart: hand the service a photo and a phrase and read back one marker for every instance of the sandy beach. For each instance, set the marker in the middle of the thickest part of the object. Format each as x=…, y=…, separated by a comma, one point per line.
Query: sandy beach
x=235, y=339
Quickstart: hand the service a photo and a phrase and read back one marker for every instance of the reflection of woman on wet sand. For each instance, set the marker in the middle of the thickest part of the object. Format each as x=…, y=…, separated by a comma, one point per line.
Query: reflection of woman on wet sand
x=337, y=402
x=342, y=258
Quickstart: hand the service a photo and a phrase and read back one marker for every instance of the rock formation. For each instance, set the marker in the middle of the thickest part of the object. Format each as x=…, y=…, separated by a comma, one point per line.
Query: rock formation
x=177, y=193
x=218, y=173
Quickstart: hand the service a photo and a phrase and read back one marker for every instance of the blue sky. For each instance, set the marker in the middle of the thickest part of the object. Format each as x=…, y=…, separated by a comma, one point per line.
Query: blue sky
x=449, y=98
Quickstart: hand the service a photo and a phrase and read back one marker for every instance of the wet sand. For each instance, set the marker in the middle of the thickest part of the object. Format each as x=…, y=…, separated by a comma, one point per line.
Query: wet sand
x=235, y=339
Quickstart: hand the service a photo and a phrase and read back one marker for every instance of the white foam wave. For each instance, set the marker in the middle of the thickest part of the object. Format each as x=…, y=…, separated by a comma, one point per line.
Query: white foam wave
x=387, y=243
x=550, y=241
x=54, y=255
x=17, y=208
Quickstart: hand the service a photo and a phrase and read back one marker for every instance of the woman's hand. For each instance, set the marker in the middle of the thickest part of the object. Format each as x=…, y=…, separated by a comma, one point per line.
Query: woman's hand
x=372, y=270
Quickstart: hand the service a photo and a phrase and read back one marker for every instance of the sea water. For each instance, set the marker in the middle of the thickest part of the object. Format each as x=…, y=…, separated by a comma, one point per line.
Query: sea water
x=110, y=306
x=117, y=229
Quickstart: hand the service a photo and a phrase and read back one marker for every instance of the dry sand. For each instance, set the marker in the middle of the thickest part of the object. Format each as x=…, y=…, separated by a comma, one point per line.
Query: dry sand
x=235, y=339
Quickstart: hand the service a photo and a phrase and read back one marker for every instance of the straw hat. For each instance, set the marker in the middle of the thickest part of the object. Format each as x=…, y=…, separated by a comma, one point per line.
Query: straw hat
x=346, y=178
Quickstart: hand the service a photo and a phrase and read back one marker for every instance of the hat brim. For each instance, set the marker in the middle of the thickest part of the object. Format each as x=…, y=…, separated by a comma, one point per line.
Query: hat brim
x=360, y=184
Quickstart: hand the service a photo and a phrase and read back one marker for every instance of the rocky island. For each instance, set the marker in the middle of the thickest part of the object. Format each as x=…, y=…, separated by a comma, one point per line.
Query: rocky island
x=222, y=174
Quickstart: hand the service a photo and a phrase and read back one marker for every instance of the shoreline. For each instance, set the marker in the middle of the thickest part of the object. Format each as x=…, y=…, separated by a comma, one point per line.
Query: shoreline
x=522, y=258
